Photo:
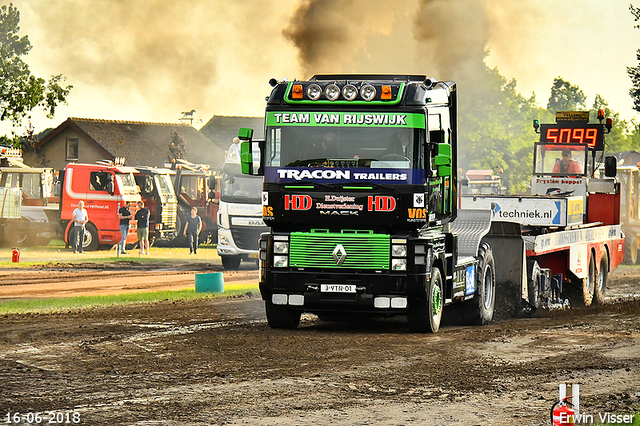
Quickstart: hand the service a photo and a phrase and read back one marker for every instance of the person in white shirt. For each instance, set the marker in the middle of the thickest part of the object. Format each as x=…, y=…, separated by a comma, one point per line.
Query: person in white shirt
x=80, y=218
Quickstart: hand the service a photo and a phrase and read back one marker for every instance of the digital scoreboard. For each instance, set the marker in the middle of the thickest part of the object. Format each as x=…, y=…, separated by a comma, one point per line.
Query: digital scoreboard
x=574, y=133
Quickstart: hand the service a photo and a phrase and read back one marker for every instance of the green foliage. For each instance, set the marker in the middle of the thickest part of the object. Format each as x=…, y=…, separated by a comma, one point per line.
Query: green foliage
x=566, y=97
x=617, y=140
x=634, y=72
x=495, y=129
x=20, y=91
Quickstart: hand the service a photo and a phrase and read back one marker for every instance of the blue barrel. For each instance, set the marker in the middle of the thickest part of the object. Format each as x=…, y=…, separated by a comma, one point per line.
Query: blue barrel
x=212, y=282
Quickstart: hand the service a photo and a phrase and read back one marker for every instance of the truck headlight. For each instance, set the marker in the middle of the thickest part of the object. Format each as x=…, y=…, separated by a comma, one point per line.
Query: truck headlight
x=399, y=250
x=223, y=241
x=280, y=247
x=399, y=264
x=280, y=261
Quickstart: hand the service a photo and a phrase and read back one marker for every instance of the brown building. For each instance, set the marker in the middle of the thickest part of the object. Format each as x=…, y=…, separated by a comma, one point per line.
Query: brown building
x=86, y=140
x=222, y=129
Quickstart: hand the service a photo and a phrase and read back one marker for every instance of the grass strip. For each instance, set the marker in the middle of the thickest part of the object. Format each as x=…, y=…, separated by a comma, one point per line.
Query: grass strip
x=65, y=304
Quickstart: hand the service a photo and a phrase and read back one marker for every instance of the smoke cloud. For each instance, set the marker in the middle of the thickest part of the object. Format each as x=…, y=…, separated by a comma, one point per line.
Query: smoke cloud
x=152, y=59
x=161, y=57
x=445, y=39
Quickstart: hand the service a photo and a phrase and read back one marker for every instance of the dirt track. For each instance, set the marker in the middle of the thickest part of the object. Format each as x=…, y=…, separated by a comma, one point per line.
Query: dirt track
x=208, y=362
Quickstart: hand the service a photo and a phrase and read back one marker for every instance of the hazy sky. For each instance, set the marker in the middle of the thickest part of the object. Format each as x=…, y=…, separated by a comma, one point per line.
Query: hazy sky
x=150, y=60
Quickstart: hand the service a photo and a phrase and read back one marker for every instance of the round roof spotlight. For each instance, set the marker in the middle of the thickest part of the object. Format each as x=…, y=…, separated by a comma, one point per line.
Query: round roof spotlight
x=314, y=91
x=332, y=92
x=349, y=92
x=368, y=92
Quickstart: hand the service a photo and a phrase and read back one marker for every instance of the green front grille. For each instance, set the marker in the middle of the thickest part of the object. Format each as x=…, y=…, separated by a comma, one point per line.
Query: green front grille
x=363, y=250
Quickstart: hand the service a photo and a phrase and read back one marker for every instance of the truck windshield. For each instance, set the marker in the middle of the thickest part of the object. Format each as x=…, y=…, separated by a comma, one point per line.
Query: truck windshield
x=566, y=160
x=321, y=146
x=241, y=189
x=127, y=182
x=165, y=187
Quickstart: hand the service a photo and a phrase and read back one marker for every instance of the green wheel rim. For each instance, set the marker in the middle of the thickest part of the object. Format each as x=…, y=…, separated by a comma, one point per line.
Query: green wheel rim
x=436, y=299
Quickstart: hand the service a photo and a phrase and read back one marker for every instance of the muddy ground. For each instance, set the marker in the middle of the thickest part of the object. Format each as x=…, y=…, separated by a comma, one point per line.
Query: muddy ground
x=216, y=362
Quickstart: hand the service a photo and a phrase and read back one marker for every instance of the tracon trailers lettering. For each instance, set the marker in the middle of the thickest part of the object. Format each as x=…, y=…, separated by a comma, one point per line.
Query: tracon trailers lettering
x=336, y=175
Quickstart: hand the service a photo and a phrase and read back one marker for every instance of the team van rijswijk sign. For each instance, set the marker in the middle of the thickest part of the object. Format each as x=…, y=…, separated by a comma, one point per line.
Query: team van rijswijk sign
x=346, y=119
x=367, y=119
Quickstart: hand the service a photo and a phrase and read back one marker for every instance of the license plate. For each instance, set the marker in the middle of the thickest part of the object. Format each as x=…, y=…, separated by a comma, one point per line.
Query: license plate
x=338, y=288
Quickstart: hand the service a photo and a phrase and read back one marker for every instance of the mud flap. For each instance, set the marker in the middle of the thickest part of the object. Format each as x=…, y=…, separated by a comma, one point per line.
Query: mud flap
x=511, y=269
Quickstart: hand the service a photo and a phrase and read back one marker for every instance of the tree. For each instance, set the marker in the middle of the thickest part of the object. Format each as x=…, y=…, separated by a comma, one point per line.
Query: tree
x=495, y=128
x=616, y=140
x=634, y=72
x=177, y=147
x=566, y=97
x=20, y=91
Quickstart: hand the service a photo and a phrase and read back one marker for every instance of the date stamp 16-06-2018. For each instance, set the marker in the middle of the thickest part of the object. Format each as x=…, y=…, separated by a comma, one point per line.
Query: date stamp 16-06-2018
x=41, y=418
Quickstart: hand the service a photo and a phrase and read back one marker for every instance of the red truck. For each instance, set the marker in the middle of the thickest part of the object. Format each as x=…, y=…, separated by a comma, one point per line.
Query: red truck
x=104, y=187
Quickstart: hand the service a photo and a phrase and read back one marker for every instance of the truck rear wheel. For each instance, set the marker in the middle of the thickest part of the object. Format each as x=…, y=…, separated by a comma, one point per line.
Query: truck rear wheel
x=583, y=289
x=533, y=285
x=603, y=277
x=281, y=316
x=425, y=312
x=485, y=288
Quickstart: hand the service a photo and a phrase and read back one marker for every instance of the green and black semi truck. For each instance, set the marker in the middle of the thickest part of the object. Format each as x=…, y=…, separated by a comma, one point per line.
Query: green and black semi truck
x=360, y=196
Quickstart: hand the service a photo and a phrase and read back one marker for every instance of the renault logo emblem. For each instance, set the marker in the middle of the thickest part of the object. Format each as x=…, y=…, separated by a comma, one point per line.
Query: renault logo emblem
x=339, y=254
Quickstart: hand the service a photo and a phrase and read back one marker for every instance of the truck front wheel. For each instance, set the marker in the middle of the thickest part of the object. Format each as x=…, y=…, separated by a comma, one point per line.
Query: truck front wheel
x=231, y=263
x=281, y=316
x=425, y=312
x=91, y=240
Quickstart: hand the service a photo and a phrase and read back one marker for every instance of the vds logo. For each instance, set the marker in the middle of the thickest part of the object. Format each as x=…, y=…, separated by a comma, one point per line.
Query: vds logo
x=381, y=203
x=297, y=202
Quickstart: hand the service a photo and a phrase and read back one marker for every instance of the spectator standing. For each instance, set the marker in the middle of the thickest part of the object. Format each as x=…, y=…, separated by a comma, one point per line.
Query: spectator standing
x=80, y=218
x=142, y=216
x=124, y=214
x=192, y=230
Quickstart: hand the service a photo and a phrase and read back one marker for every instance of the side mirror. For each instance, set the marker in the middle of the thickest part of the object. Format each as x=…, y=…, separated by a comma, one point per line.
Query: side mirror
x=250, y=157
x=443, y=159
x=610, y=166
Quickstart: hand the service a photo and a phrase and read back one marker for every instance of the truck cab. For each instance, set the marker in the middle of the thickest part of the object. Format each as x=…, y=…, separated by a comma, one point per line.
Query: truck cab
x=156, y=190
x=195, y=185
x=104, y=187
x=240, y=212
x=359, y=193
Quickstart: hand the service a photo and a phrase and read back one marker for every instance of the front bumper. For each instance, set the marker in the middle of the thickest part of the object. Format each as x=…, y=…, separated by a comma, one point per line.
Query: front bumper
x=360, y=292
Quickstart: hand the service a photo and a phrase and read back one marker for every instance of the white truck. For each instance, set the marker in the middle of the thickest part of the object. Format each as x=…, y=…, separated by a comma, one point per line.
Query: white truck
x=240, y=212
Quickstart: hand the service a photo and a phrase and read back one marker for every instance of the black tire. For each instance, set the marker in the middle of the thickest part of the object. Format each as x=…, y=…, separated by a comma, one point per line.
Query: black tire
x=630, y=250
x=281, y=316
x=485, y=300
x=534, y=279
x=425, y=311
x=91, y=241
x=231, y=263
x=603, y=278
x=181, y=219
x=582, y=289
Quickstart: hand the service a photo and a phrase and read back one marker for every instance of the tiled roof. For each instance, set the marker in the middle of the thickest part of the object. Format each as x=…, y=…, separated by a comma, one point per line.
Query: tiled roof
x=222, y=129
x=143, y=143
